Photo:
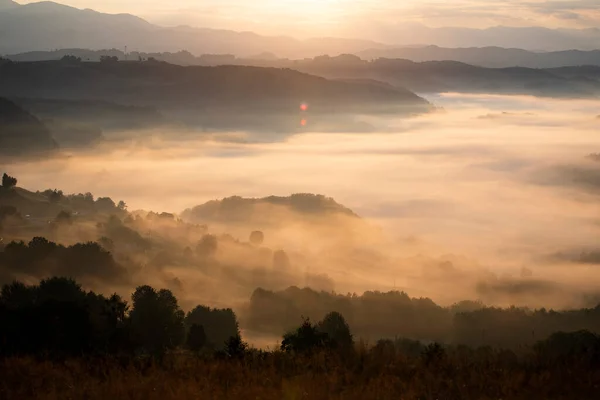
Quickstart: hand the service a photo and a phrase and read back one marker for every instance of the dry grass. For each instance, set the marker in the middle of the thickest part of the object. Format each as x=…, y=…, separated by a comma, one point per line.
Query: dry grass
x=279, y=376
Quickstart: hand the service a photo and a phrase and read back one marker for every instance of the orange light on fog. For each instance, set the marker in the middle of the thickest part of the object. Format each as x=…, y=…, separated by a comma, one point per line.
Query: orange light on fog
x=303, y=107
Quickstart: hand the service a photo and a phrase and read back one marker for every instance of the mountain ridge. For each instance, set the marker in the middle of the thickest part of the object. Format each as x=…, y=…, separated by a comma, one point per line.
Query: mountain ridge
x=30, y=28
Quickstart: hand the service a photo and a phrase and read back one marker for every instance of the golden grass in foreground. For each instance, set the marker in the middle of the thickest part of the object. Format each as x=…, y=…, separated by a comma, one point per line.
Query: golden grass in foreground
x=471, y=375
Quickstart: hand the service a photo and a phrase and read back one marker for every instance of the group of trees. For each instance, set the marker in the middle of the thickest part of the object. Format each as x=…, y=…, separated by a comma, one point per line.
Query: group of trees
x=332, y=333
x=375, y=315
x=109, y=59
x=70, y=59
x=41, y=257
x=58, y=318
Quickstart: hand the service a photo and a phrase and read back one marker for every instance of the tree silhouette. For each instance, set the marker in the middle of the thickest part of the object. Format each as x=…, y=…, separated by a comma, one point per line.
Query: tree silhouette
x=8, y=211
x=156, y=320
x=281, y=260
x=8, y=181
x=207, y=246
x=54, y=196
x=219, y=325
x=304, y=339
x=235, y=347
x=58, y=318
x=196, y=338
x=17, y=295
x=338, y=331
x=257, y=238
x=63, y=218
x=109, y=59
x=70, y=59
x=105, y=204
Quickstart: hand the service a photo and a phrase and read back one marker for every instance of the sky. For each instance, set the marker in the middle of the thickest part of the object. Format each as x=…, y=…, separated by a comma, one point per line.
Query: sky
x=350, y=17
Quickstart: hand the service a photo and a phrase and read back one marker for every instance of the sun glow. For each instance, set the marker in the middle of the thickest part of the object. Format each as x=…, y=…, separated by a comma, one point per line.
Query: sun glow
x=317, y=8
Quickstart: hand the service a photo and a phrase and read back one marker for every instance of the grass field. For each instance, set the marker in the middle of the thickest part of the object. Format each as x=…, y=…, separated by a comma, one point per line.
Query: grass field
x=457, y=374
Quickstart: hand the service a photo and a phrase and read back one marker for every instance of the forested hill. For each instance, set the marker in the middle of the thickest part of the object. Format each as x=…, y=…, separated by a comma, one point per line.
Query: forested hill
x=237, y=208
x=208, y=89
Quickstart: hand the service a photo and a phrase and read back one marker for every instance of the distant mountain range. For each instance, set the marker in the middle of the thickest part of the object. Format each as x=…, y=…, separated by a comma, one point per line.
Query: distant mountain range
x=528, y=38
x=47, y=25
x=490, y=57
x=493, y=57
x=452, y=76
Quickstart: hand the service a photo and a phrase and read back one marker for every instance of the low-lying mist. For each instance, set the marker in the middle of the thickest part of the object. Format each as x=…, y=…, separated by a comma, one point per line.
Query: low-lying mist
x=491, y=198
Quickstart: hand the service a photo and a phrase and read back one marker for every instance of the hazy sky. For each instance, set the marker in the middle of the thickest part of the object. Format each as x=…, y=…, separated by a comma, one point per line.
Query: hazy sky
x=336, y=17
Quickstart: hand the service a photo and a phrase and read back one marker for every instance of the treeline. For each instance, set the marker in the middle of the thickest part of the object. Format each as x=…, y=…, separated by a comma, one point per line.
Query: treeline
x=20, y=203
x=41, y=257
x=376, y=315
x=60, y=340
x=57, y=318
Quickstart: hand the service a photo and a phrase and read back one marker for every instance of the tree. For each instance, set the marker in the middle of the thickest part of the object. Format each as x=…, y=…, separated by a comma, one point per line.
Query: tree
x=281, y=260
x=122, y=206
x=433, y=354
x=60, y=289
x=235, y=347
x=105, y=204
x=219, y=324
x=106, y=243
x=58, y=318
x=64, y=217
x=54, y=196
x=8, y=211
x=338, y=331
x=8, y=181
x=196, y=338
x=304, y=339
x=257, y=238
x=207, y=246
x=70, y=59
x=156, y=320
x=17, y=294
x=109, y=59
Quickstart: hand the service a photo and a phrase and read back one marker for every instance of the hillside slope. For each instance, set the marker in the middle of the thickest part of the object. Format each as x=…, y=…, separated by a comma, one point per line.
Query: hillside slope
x=201, y=89
x=21, y=132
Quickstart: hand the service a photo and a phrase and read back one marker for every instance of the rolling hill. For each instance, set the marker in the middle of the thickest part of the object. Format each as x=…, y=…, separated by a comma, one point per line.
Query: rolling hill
x=239, y=209
x=21, y=132
x=202, y=90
